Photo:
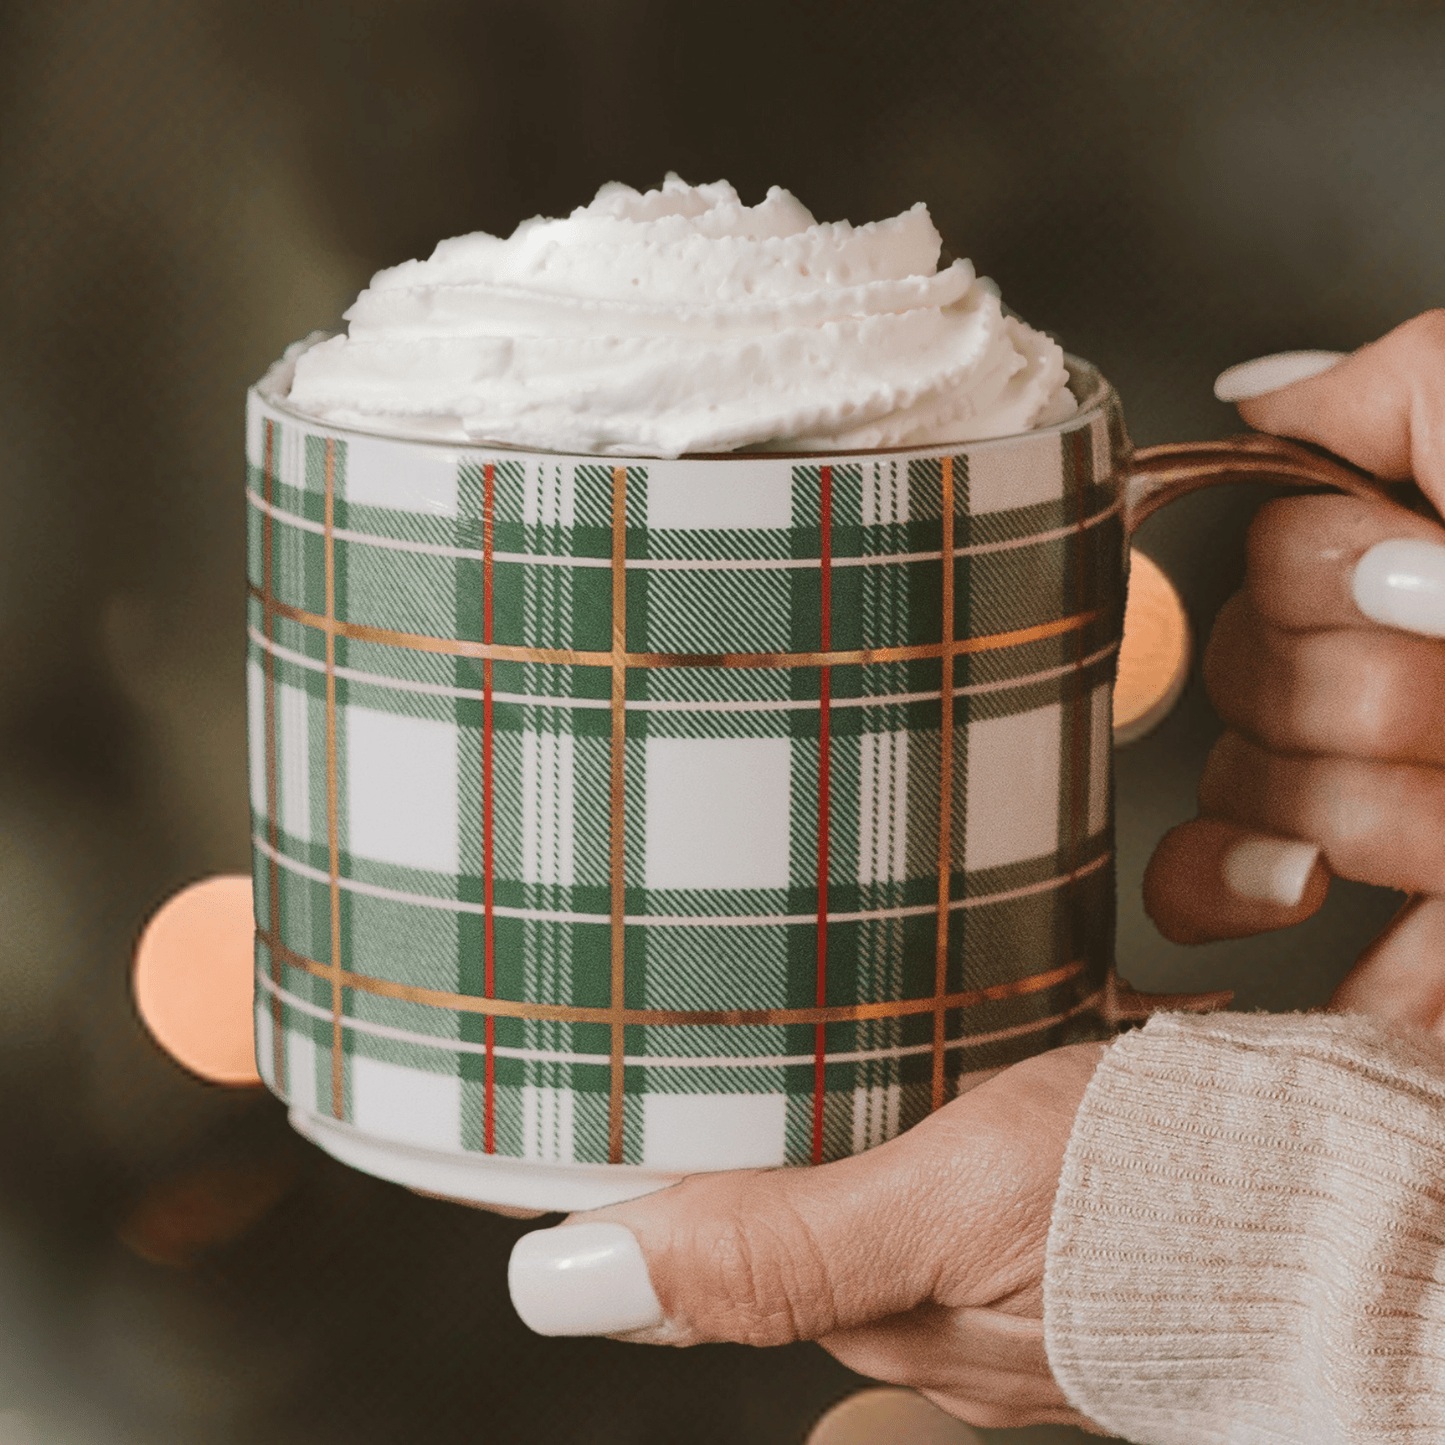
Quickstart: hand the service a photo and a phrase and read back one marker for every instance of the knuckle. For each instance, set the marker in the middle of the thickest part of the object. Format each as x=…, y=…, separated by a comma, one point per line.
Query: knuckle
x=1376, y=822
x=1287, y=528
x=1336, y=801
x=1360, y=695
x=1341, y=693
x=1294, y=548
x=762, y=1279
x=1373, y=713
x=1332, y=697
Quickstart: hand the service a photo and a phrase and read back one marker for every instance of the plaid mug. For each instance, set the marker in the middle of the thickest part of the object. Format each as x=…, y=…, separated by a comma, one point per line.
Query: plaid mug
x=620, y=818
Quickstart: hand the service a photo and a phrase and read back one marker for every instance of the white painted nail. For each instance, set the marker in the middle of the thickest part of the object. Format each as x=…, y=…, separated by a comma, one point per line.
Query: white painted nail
x=582, y=1279
x=1270, y=870
x=1269, y=373
x=1402, y=584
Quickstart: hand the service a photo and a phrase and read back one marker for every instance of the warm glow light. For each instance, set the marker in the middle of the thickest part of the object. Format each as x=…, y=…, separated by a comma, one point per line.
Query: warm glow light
x=194, y=979
x=1154, y=657
x=873, y=1416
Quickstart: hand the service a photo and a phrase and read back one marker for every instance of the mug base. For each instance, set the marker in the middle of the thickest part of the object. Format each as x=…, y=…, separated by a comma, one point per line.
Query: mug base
x=481, y=1178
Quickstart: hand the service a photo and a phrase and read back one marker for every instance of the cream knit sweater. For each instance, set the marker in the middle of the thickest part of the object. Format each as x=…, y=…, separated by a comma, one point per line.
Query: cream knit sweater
x=1248, y=1241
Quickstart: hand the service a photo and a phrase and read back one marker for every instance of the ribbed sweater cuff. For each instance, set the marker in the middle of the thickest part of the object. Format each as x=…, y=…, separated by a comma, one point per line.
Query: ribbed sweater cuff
x=1248, y=1241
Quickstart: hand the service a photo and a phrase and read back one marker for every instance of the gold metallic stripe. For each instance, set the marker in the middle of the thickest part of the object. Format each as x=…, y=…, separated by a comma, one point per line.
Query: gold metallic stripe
x=578, y=1014
x=338, y=1057
x=569, y=657
x=692, y=1061
x=945, y=790
x=640, y=705
x=617, y=816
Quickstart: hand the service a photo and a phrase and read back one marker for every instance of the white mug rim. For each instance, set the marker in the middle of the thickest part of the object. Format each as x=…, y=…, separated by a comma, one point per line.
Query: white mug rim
x=1090, y=388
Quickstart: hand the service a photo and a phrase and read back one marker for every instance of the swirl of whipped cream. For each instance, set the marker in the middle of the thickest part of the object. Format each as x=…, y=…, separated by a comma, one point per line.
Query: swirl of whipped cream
x=680, y=320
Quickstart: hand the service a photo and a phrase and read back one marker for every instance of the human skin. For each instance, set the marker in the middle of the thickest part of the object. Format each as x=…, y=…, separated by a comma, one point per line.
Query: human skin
x=1335, y=726
x=921, y=1262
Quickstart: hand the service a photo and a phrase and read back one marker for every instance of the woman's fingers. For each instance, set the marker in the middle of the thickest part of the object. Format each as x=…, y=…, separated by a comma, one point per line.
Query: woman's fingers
x=1374, y=822
x=1346, y=692
x=1343, y=562
x=1211, y=879
x=1328, y=671
x=1382, y=408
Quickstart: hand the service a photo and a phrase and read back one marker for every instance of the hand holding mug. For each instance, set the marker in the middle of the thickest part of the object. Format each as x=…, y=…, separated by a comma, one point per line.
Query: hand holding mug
x=1328, y=669
x=919, y=1263
x=922, y=1262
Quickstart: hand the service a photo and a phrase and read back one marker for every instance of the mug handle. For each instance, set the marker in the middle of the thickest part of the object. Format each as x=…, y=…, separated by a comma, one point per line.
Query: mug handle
x=1158, y=475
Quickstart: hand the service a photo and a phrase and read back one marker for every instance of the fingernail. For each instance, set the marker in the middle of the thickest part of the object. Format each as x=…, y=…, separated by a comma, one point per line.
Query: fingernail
x=1269, y=373
x=582, y=1279
x=1402, y=584
x=1270, y=870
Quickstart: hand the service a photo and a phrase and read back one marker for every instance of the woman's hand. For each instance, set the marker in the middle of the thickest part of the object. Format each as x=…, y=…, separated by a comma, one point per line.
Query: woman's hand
x=1328, y=670
x=919, y=1263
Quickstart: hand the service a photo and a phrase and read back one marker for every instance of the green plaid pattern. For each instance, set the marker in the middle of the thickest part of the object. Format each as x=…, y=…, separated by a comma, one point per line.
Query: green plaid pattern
x=722, y=770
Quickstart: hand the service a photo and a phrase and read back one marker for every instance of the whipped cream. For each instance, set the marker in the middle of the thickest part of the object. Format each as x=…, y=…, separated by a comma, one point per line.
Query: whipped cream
x=680, y=320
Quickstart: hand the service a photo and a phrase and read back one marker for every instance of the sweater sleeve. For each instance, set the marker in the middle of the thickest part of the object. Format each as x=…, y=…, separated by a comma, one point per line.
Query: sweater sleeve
x=1248, y=1240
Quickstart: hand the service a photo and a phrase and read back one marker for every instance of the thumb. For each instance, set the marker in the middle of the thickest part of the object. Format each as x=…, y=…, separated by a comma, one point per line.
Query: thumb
x=761, y=1257
x=955, y=1211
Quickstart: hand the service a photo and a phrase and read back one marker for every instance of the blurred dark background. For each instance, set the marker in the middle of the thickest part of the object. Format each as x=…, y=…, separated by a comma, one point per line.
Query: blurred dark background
x=1170, y=186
